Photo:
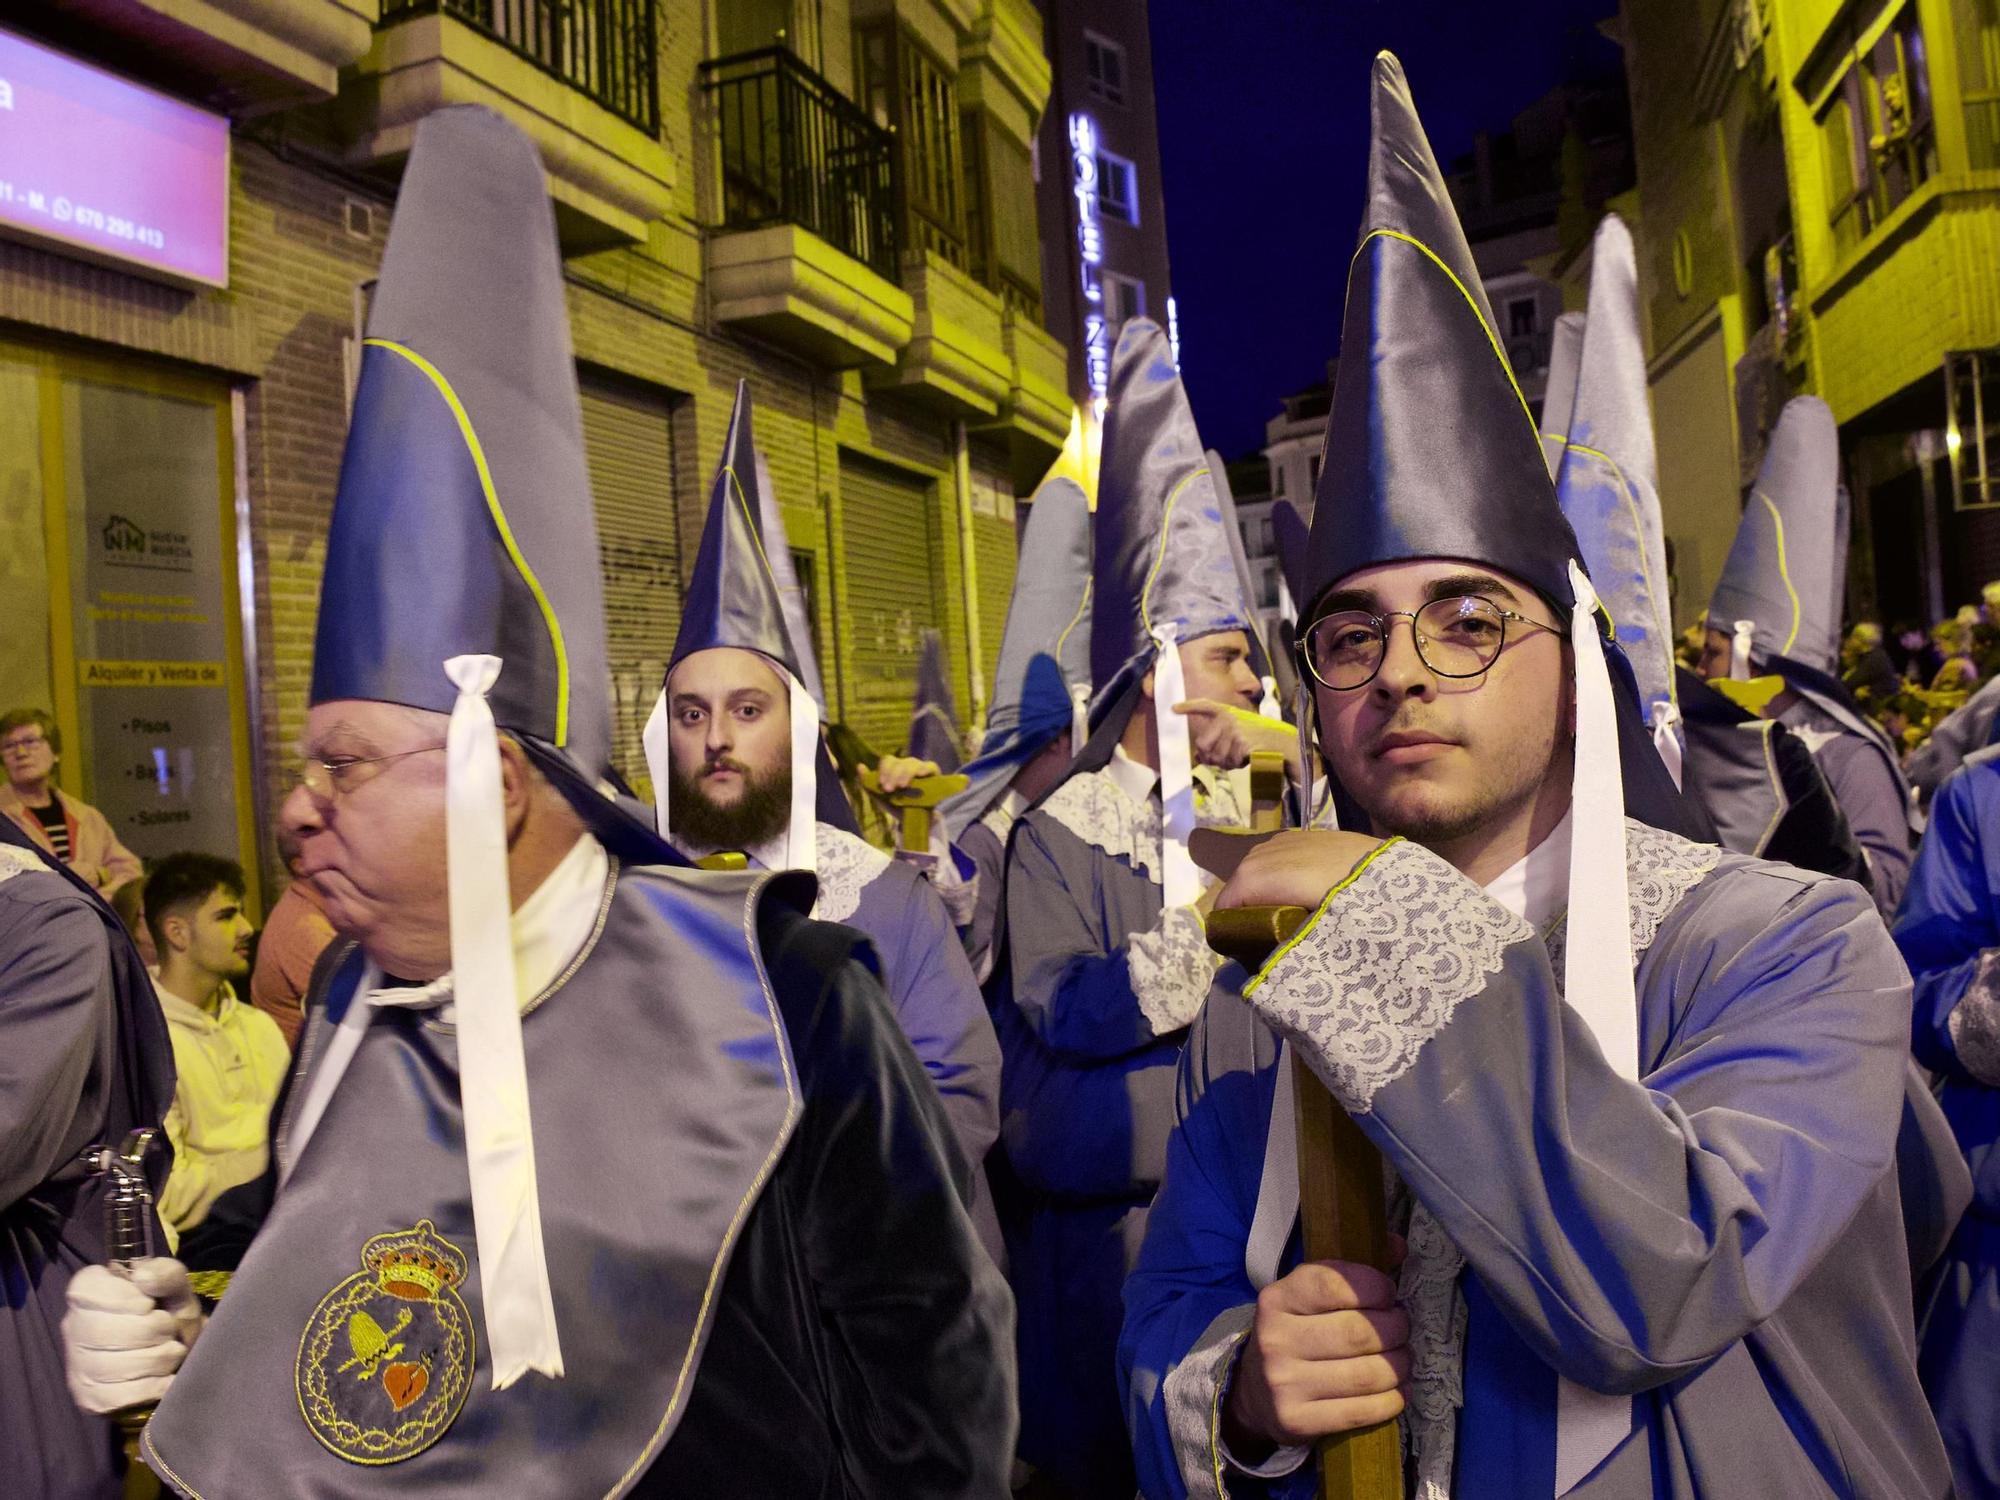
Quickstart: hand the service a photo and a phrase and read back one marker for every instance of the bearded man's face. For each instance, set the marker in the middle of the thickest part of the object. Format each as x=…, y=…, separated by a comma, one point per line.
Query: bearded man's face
x=729, y=734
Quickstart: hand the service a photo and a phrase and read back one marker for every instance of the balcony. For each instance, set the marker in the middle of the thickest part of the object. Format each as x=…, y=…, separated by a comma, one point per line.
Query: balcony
x=1034, y=414
x=957, y=361
x=579, y=76
x=795, y=152
x=245, y=56
x=806, y=252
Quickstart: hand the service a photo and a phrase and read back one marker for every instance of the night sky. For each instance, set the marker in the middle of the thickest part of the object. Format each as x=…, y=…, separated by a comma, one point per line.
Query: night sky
x=1263, y=108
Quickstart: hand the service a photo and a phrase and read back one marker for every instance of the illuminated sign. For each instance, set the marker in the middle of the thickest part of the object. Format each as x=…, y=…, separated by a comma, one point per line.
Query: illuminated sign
x=103, y=168
x=1090, y=254
x=1174, y=330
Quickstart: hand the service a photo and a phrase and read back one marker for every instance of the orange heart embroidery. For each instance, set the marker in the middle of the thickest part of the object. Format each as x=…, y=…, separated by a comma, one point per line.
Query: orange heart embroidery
x=404, y=1382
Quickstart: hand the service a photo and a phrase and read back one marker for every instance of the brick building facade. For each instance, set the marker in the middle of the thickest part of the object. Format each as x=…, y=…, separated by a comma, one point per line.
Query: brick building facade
x=905, y=390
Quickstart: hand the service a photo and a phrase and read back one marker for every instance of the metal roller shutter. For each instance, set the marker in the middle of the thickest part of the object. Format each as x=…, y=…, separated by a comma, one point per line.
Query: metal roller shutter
x=890, y=526
x=628, y=438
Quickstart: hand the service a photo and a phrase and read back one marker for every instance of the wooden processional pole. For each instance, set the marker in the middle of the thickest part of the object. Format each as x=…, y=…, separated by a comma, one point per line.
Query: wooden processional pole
x=1343, y=1211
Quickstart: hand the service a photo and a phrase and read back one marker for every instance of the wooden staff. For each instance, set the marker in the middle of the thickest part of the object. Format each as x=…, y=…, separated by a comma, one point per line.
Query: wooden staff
x=913, y=805
x=1342, y=1209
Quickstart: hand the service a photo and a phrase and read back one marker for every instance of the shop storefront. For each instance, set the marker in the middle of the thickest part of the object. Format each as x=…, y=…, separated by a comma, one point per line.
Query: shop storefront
x=118, y=559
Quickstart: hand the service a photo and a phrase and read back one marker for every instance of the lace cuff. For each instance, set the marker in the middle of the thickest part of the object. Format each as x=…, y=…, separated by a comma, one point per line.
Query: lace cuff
x=1171, y=968
x=1389, y=956
x=1192, y=1396
x=1974, y=1023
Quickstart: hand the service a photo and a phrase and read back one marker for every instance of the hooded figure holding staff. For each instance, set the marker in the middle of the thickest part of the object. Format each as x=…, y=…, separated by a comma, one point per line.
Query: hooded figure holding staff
x=1642, y=1260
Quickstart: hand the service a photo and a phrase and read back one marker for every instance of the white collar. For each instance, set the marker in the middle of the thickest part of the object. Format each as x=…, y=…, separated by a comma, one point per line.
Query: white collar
x=1136, y=781
x=549, y=929
x=1535, y=887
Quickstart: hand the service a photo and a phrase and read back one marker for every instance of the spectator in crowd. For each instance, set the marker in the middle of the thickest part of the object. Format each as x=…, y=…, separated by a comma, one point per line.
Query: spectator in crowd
x=1916, y=659
x=295, y=935
x=231, y=1058
x=1958, y=672
x=1865, y=667
x=74, y=832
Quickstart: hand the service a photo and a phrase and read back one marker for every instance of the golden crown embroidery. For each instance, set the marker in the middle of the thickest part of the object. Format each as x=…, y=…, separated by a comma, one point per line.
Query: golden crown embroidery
x=387, y=1358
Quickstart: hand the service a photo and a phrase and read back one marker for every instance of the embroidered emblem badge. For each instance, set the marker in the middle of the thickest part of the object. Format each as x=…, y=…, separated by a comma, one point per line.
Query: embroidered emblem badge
x=386, y=1361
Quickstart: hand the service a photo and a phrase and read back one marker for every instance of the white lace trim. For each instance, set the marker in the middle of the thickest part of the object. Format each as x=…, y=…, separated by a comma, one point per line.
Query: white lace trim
x=1428, y=1290
x=1661, y=869
x=1360, y=995
x=1094, y=807
x=1171, y=968
x=1974, y=1023
x=17, y=862
x=847, y=866
x=1192, y=1398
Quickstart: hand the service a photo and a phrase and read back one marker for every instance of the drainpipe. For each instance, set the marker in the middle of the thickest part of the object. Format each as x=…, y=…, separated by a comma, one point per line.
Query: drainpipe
x=967, y=551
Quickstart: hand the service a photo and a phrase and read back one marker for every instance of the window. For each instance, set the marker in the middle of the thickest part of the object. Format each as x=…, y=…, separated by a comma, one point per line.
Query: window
x=905, y=89
x=1277, y=481
x=1104, y=67
x=1977, y=23
x=1123, y=298
x=1521, y=317
x=1117, y=188
x=1876, y=133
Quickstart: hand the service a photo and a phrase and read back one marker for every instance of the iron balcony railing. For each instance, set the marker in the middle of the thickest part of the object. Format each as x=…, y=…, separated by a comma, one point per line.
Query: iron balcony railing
x=794, y=151
x=607, y=49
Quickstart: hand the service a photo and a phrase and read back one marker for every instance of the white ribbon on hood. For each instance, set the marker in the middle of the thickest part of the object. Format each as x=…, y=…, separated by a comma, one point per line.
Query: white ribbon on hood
x=1597, y=969
x=1739, y=649
x=1180, y=880
x=492, y=1065
x=1667, y=737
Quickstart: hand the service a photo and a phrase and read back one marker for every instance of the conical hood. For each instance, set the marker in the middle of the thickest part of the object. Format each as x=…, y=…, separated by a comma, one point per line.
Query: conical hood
x=1607, y=480
x=1044, y=651
x=934, y=732
x=732, y=595
x=463, y=522
x=462, y=576
x=1779, y=575
x=1233, y=531
x=1431, y=454
x=733, y=600
x=1559, y=390
x=778, y=552
x=1430, y=448
x=1162, y=551
x=1164, y=574
x=1289, y=530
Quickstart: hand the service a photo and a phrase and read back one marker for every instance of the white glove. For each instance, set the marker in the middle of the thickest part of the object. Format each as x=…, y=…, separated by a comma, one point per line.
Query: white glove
x=127, y=1331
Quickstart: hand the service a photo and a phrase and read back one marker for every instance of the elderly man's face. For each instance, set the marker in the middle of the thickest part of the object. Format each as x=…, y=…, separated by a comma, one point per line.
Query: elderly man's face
x=371, y=838
x=1437, y=758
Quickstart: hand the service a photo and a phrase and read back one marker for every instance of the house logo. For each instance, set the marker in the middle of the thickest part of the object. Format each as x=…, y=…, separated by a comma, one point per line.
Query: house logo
x=121, y=535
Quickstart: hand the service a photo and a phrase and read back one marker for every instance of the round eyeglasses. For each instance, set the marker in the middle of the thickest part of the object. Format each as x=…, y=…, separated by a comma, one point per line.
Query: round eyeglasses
x=1456, y=637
